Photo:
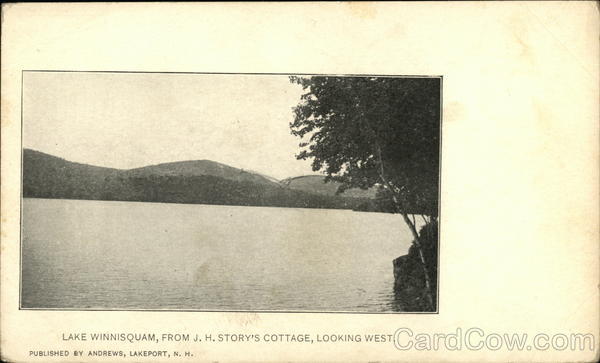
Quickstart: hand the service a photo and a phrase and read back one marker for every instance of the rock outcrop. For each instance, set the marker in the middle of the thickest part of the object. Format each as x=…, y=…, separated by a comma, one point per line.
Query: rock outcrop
x=409, y=278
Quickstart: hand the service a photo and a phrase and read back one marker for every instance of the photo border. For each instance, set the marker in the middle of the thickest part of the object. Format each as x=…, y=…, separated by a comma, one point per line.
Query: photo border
x=441, y=124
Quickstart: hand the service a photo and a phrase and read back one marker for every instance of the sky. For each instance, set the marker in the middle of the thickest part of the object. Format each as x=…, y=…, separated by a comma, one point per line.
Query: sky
x=128, y=120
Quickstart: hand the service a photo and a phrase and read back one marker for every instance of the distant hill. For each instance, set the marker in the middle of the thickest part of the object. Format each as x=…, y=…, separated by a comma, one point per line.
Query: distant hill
x=199, y=168
x=198, y=182
x=49, y=176
x=35, y=159
x=316, y=184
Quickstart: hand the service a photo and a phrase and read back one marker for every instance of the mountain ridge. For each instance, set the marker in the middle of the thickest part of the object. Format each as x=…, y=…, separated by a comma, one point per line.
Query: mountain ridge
x=192, y=181
x=201, y=167
x=316, y=183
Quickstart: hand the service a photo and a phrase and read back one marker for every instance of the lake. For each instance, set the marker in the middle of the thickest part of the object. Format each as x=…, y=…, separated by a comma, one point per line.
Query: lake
x=79, y=254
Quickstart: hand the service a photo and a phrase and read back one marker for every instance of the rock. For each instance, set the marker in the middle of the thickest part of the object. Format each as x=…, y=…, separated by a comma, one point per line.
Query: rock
x=409, y=278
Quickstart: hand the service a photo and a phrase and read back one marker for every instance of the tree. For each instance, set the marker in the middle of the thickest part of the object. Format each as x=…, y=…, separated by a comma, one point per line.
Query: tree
x=375, y=131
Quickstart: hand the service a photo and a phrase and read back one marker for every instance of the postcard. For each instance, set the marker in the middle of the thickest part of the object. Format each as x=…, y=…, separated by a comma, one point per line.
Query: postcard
x=300, y=182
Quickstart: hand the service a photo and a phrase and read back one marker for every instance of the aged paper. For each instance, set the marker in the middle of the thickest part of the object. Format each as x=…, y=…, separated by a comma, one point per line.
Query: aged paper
x=518, y=207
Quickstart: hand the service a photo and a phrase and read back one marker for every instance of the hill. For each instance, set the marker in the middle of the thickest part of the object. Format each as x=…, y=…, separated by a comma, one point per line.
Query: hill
x=198, y=182
x=316, y=184
x=200, y=168
x=49, y=176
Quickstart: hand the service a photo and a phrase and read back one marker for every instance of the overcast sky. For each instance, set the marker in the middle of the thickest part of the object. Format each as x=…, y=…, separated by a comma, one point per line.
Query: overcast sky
x=130, y=120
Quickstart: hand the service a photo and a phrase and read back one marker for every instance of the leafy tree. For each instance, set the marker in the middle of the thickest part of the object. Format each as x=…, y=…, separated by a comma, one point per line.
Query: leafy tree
x=376, y=131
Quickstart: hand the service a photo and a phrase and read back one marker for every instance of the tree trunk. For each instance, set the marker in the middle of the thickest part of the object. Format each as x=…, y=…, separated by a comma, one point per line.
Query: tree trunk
x=417, y=243
x=400, y=208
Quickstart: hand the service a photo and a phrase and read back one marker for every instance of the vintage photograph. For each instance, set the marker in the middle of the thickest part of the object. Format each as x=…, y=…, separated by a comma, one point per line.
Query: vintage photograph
x=301, y=181
x=230, y=192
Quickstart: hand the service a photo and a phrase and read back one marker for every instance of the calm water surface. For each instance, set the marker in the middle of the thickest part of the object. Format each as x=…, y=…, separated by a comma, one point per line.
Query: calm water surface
x=127, y=255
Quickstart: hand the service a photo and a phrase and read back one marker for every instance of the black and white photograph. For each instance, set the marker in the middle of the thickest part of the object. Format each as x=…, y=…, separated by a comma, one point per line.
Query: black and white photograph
x=230, y=192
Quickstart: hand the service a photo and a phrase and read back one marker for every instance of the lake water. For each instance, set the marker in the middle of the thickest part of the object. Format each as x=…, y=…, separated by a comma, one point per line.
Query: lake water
x=127, y=255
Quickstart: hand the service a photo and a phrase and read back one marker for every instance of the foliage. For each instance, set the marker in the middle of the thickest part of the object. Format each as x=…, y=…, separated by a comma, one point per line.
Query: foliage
x=358, y=128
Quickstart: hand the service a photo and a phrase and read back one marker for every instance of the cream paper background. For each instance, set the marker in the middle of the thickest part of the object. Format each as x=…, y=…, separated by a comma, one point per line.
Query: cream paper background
x=519, y=197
